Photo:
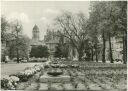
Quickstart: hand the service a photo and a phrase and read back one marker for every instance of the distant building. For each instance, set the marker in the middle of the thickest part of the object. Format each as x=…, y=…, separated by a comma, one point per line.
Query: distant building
x=35, y=41
x=117, y=48
x=52, y=44
x=51, y=41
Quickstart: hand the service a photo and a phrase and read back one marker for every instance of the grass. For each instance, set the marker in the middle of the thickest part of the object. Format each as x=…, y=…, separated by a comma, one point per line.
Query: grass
x=12, y=68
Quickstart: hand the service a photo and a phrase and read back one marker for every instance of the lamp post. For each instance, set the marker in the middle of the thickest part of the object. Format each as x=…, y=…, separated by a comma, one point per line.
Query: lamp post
x=18, y=28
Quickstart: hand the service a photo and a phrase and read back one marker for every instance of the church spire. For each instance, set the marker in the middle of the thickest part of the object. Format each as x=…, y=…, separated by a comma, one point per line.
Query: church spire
x=35, y=33
x=35, y=28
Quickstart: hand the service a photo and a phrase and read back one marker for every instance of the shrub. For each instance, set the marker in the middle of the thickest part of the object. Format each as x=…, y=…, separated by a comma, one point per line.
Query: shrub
x=9, y=82
x=39, y=51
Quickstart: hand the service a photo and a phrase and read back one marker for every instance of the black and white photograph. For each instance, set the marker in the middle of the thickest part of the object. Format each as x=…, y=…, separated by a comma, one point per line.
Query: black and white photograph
x=64, y=45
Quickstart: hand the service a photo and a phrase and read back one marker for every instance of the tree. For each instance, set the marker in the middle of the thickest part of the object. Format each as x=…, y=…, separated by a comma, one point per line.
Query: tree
x=61, y=48
x=109, y=25
x=49, y=35
x=23, y=47
x=93, y=36
x=17, y=44
x=73, y=27
x=39, y=51
x=111, y=21
x=120, y=17
x=16, y=27
x=58, y=52
x=4, y=28
x=97, y=24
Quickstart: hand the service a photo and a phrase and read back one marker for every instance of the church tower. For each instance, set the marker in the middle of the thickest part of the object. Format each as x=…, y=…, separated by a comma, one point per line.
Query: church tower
x=35, y=33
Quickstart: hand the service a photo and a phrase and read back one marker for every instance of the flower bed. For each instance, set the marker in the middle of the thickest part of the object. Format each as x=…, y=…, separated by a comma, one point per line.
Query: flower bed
x=10, y=82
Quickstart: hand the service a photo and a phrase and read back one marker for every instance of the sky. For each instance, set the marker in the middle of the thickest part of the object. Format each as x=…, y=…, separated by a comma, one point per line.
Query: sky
x=41, y=13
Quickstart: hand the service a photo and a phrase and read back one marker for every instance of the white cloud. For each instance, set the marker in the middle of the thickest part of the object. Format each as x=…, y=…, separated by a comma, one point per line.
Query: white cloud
x=43, y=18
x=20, y=16
x=24, y=17
x=52, y=11
x=48, y=15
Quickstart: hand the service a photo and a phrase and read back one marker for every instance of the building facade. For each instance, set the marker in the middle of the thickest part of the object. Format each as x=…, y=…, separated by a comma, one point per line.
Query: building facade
x=117, y=48
x=35, y=41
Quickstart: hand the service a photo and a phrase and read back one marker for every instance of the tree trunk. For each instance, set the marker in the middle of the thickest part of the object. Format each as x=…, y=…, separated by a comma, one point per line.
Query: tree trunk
x=92, y=53
x=110, y=49
x=96, y=56
x=125, y=47
x=80, y=54
x=96, y=53
x=10, y=52
x=104, y=47
x=17, y=52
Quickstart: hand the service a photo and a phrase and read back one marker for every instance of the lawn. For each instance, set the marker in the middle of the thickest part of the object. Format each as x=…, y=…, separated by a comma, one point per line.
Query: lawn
x=11, y=68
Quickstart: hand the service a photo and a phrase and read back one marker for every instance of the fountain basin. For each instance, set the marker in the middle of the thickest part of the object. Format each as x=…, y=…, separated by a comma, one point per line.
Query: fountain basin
x=56, y=79
x=54, y=73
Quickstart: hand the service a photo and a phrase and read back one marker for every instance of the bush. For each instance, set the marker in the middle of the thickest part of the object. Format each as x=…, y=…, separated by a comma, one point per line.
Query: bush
x=61, y=51
x=39, y=52
x=9, y=82
x=38, y=60
x=23, y=77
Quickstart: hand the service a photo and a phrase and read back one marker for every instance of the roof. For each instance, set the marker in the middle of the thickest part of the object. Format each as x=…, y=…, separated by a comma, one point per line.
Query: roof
x=36, y=42
x=35, y=28
x=52, y=42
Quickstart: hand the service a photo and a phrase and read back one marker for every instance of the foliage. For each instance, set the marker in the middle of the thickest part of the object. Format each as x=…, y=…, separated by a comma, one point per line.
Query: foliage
x=121, y=25
x=4, y=34
x=39, y=51
x=50, y=35
x=73, y=27
x=22, y=45
x=9, y=82
x=28, y=73
x=61, y=51
x=104, y=21
x=16, y=44
x=4, y=27
x=37, y=59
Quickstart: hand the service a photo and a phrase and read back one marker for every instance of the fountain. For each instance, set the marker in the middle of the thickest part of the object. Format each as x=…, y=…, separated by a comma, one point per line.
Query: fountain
x=54, y=74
